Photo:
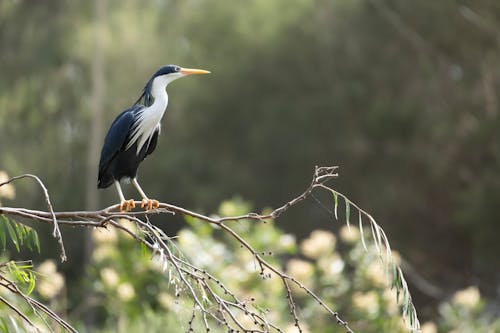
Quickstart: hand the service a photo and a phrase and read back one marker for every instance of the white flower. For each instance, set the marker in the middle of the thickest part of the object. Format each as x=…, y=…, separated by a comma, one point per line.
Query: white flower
x=159, y=262
x=235, y=273
x=217, y=252
x=129, y=225
x=102, y=235
x=166, y=300
x=229, y=208
x=187, y=239
x=110, y=277
x=47, y=267
x=350, y=234
x=319, y=243
x=50, y=282
x=468, y=297
x=125, y=291
x=102, y=252
x=429, y=327
x=376, y=273
x=391, y=300
x=300, y=269
x=367, y=302
x=287, y=241
x=396, y=257
x=331, y=265
x=7, y=190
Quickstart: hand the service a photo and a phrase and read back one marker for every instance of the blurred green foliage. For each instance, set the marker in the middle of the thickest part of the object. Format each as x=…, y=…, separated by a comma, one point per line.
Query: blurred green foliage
x=401, y=94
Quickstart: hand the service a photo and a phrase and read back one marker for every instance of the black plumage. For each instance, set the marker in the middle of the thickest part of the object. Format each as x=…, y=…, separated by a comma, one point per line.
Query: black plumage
x=118, y=162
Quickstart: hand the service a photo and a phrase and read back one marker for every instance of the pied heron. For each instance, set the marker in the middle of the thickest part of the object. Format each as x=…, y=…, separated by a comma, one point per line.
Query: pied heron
x=133, y=135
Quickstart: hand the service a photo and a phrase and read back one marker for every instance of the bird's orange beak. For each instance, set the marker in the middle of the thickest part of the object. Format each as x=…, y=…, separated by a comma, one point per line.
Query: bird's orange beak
x=189, y=71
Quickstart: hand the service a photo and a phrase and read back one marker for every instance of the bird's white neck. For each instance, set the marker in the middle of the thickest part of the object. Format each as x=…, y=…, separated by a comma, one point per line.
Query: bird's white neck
x=150, y=117
x=159, y=93
x=158, y=90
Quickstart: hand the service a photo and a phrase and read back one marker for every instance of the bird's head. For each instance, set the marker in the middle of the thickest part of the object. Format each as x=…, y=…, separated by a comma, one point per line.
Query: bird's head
x=170, y=73
x=163, y=77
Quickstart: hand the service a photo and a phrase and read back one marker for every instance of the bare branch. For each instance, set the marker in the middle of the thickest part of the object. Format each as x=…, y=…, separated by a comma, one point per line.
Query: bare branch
x=35, y=305
x=56, y=232
x=212, y=300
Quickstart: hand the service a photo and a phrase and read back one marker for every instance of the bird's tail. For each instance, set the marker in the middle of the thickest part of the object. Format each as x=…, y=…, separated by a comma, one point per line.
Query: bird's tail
x=104, y=180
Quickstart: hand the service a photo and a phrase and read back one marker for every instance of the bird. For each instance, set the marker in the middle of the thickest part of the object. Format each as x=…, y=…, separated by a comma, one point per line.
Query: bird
x=133, y=135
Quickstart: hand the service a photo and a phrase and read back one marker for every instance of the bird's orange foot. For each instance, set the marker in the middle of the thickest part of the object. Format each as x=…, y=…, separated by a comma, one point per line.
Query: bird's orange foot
x=127, y=205
x=150, y=204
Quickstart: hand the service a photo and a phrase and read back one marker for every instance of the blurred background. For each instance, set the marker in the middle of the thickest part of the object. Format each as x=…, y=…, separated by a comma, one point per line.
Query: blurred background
x=402, y=95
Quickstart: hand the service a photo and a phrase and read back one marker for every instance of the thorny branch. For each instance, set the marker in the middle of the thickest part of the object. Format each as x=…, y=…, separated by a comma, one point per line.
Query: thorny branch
x=211, y=298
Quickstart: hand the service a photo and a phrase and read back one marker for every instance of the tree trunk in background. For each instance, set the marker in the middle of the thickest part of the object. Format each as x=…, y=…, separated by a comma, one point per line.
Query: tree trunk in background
x=96, y=128
x=97, y=100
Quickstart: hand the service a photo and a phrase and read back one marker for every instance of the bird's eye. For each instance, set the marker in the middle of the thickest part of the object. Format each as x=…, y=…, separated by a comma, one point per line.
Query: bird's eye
x=177, y=69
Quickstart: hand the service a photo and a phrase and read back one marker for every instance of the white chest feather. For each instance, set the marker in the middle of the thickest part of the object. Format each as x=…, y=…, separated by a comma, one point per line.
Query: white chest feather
x=149, y=118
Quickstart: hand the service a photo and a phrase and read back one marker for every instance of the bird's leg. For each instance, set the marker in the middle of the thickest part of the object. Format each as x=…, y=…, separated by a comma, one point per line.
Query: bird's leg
x=125, y=205
x=146, y=202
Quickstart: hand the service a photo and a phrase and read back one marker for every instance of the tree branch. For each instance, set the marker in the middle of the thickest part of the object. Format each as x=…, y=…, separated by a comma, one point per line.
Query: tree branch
x=199, y=285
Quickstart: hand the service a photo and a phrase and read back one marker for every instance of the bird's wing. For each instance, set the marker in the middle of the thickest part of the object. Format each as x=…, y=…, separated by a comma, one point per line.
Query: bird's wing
x=117, y=136
x=153, y=141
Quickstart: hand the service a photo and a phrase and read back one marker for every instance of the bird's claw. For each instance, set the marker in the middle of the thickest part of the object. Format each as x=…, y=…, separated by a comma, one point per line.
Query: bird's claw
x=150, y=204
x=127, y=205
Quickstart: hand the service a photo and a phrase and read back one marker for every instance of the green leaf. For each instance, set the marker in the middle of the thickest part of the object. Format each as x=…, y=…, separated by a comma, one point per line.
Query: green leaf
x=347, y=212
x=3, y=325
x=29, y=242
x=406, y=303
x=377, y=235
x=336, y=198
x=144, y=250
x=26, y=266
x=32, y=282
x=3, y=236
x=361, y=232
x=36, y=240
x=14, y=270
x=394, y=276
x=374, y=236
x=22, y=272
x=13, y=235
x=20, y=232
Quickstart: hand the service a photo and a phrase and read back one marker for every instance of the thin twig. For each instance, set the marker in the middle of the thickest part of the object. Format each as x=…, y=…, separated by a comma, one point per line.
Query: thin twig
x=35, y=305
x=56, y=232
x=19, y=313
